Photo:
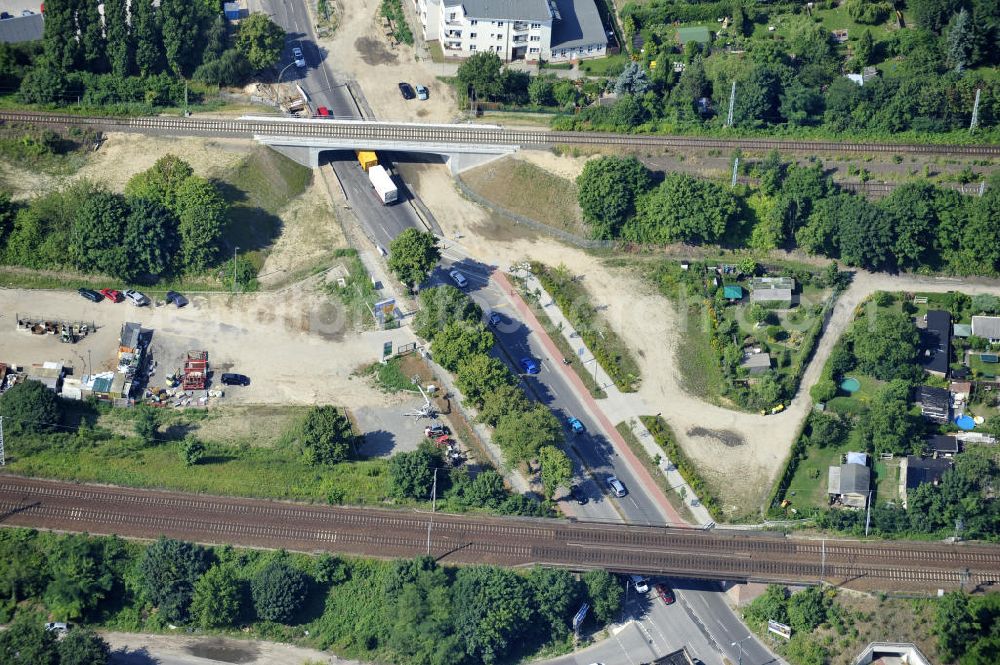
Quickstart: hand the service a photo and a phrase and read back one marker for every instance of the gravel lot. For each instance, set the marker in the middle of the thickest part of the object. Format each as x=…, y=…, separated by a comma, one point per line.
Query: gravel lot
x=292, y=344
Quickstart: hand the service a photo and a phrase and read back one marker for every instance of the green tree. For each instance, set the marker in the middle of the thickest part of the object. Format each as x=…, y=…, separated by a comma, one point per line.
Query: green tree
x=506, y=399
x=30, y=408
x=419, y=617
x=807, y=609
x=491, y=608
x=26, y=642
x=59, y=35
x=82, y=646
x=557, y=469
x=149, y=57
x=80, y=578
x=605, y=594
x=758, y=98
x=888, y=427
x=411, y=474
x=608, y=188
x=540, y=91
x=96, y=238
x=192, y=450
x=914, y=222
x=458, y=340
x=260, y=40
x=201, y=214
x=440, y=306
x=91, y=36
x=557, y=596
x=278, y=591
x=326, y=434
x=181, y=24
x=120, y=46
x=801, y=188
x=521, y=435
x=481, y=75
x=216, y=38
x=826, y=430
x=800, y=104
x=412, y=254
x=216, y=599
x=161, y=182
x=885, y=344
x=150, y=238
x=682, y=208
x=481, y=375
x=145, y=425
x=167, y=573
x=230, y=68
x=771, y=605
x=954, y=625
x=985, y=303
x=865, y=49
x=933, y=15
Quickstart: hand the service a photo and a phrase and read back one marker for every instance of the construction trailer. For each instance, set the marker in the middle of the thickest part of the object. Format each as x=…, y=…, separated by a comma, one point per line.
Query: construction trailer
x=195, y=371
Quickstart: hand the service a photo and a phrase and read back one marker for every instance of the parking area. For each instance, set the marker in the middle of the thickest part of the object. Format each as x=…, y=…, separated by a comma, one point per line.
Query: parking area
x=295, y=345
x=388, y=430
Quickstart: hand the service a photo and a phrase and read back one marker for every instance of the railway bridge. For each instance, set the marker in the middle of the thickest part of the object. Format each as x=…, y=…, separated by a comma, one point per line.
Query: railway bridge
x=463, y=539
x=464, y=145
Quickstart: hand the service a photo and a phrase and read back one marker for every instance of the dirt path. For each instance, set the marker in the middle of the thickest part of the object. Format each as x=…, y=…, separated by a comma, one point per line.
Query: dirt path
x=144, y=648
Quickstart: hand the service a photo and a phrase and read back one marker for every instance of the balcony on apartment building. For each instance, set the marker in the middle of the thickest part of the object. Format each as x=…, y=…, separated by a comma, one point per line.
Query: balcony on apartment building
x=452, y=19
x=519, y=39
x=452, y=45
x=521, y=26
x=452, y=34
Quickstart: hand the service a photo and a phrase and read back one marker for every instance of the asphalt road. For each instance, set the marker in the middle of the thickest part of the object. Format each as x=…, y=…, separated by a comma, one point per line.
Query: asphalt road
x=381, y=223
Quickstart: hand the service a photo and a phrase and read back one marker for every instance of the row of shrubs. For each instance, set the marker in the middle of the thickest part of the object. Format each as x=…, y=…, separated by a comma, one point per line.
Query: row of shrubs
x=664, y=437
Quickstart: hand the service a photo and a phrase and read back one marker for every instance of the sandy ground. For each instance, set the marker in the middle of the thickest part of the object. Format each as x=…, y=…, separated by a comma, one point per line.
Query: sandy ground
x=138, y=648
x=294, y=345
x=363, y=53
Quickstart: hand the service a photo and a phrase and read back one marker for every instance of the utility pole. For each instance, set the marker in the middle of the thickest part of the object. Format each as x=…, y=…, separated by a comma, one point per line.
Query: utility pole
x=739, y=645
x=732, y=102
x=822, y=569
x=235, y=249
x=736, y=170
x=186, y=111
x=975, y=111
x=3, y=456
x=868, y=517
x=433, y=507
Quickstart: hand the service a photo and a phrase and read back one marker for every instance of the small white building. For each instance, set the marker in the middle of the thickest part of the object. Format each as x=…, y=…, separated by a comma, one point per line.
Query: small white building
x=514, y=29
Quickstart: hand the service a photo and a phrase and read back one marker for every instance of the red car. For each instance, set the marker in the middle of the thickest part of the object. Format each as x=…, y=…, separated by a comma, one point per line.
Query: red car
x=323, y=112
x=665, y=593
x=112, y=295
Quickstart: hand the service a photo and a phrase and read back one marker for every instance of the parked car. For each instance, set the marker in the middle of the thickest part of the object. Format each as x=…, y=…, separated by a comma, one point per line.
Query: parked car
x=435, y=429
x=530, y=365
x=136, y=298
x=495, y=319
x=90, y=294
x=665, y=593
x=176, y=298
x=459, y=279
x=423, y=93
x=616, y=486
x=57, y=626
x=323, y=112
x=577, y=493
x=640, y=583
x=406, y=90
x=300, y=60
x=575, y=425
x=112, y=295
x=235, y=380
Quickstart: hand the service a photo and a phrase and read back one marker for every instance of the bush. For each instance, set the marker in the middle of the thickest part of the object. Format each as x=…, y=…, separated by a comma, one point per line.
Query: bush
x=327, y=435
x=278, y=591
x=30, y=408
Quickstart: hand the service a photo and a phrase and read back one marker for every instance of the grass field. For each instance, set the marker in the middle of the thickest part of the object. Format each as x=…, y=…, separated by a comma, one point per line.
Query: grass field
x=528, y=190
x=612, y=64
x=809, y=484
x=700, y=372
x=858, y=402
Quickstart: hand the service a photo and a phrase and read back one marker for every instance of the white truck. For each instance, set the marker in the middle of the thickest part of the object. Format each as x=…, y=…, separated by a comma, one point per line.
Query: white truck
x=383, y=184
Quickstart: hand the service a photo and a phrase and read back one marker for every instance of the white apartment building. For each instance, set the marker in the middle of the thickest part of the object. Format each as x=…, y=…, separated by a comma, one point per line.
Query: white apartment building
x=551, y=30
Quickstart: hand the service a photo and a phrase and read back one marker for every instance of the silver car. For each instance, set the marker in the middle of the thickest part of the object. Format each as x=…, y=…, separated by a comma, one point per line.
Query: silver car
x=616, y=486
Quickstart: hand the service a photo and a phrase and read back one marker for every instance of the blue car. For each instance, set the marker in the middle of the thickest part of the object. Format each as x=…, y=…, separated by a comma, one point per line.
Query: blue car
x=575, y=425
x=530, y=365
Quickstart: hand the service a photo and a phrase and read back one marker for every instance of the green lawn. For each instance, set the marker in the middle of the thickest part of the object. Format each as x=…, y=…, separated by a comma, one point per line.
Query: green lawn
x=601, y=66
x=887, y=480
x=979, y=368
x=699, y=363
x=807, y=488
x=858, y=402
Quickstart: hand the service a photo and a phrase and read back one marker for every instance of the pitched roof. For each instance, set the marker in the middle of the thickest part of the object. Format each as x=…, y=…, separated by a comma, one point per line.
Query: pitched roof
x=935, y=403
x=578, y=24
x=769, y=295
x=507, y=10
x=920, y=471
x=22, y=29
x=757, y=361
x=986, y=326
x=855, y=479
x=936, y=342
x=772, y=283
x=961, y=330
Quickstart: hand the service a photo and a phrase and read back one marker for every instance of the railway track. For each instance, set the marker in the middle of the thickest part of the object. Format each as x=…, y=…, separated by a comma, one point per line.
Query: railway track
x=362, y=131
x=475, y=539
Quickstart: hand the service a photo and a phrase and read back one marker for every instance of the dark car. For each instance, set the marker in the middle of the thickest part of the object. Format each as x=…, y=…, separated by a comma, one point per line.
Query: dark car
x=406, y=90
x=577, y=493
x=495, y=319
x=530, y=365
x=665, y=593
x=235, y=380
x=90, y=294
x=176, y=298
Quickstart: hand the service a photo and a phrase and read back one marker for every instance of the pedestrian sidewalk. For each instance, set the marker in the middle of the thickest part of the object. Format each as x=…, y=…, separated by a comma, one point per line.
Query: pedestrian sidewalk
x=624, y=406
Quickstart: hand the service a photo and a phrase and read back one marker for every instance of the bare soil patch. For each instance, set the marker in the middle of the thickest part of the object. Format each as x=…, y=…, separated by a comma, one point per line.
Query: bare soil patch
x=374, y=52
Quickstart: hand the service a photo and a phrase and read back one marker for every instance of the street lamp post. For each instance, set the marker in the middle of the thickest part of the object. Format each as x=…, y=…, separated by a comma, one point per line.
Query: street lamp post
x=235, y=249
x=285, y=69
x=739, y=645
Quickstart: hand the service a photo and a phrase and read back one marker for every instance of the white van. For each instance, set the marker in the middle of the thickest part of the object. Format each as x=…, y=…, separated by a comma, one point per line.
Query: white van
x=136, y=298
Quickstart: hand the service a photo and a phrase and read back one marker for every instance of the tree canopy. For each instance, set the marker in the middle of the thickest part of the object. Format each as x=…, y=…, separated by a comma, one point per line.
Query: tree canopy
x=522, y=435
x=609, y=188
x=30, y=407
x=278, y=591
x=885, y=344
x=168, y=571
x=412, y=254
x=411, y=473
x=327, y=435
x=260, y=40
